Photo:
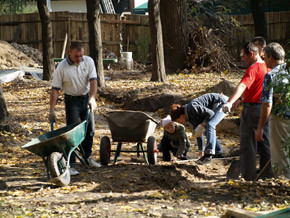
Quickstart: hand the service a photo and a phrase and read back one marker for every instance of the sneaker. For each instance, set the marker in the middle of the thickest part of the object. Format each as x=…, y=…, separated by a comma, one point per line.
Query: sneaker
x=92, y=162
x=73, y=172
x=218, y=156
x=205, y=160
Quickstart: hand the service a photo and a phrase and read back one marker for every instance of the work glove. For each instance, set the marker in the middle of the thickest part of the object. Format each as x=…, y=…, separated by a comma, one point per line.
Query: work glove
x=226, y=108
x=51, y=116
x=92, y=104
x=199, y=130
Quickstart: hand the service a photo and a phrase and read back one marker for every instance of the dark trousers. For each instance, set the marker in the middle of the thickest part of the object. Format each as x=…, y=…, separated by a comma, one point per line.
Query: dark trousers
x=166, y=148
x=76, y=109
x=248, y=144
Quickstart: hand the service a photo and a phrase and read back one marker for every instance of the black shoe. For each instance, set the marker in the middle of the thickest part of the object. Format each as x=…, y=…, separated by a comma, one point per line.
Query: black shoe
x=218, y=156
x=205, y=160
x=159, y=147
x=184, y=157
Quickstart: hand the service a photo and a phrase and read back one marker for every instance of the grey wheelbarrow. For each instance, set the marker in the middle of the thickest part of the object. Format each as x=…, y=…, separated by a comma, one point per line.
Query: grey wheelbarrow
x=129, y=126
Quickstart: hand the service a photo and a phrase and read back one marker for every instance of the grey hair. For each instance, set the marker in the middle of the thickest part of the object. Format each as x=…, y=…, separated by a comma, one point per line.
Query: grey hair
x=275, y=50
x=76, y=45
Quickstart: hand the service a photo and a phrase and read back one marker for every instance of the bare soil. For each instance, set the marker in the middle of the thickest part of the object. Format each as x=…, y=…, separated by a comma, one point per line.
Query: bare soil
x=130, y=188
x=11, y=58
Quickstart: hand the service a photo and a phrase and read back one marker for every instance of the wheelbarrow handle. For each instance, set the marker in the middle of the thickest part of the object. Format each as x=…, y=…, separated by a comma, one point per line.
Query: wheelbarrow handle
x=88, y=117
x=51, y=126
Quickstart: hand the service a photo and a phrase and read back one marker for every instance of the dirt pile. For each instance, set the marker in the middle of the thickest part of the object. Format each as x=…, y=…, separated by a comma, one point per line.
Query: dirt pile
x=11, y=58
x=150, y=98
x=33, y=53
x=226, y=87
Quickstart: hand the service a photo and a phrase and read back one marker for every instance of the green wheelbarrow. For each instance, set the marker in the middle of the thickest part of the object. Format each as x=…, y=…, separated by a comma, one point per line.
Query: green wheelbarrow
x=129, y=126
x=56, y=148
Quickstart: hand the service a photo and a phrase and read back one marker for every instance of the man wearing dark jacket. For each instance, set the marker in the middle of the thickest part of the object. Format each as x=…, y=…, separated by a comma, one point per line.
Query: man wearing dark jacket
x=204, y=113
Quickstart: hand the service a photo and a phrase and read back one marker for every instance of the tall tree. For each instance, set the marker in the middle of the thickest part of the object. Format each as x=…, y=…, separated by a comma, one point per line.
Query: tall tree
x=158, y=66
x=175, y=33
x=95, y=38
x=260, y=22
x=47, y=47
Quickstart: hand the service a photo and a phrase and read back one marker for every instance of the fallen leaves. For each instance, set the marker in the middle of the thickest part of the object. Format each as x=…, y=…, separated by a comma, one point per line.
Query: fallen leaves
x=133, y=189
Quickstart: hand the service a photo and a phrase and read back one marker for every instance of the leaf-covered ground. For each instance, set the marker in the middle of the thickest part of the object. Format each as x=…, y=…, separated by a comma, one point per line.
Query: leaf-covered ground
x=130, y=188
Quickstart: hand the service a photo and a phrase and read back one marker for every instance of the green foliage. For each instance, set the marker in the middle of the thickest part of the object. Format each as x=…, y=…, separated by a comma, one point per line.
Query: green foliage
x=215, y=6
x=16, y=7
x=30, y=8
x=216, y=15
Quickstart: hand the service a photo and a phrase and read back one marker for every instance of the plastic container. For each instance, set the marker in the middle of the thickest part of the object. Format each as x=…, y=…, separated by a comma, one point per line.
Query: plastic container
x=126, y=60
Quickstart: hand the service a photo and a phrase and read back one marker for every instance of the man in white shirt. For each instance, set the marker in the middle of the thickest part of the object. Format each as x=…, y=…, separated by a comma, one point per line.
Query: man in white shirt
x=76, y=75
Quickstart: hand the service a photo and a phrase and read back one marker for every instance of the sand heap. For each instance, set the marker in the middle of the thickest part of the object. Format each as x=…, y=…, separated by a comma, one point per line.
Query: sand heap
x=11, y=58
x=33, y=53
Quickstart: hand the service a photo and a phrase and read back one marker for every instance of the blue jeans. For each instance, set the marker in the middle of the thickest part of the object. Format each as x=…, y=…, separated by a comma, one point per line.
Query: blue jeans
x=76, y=109
x=213, y=147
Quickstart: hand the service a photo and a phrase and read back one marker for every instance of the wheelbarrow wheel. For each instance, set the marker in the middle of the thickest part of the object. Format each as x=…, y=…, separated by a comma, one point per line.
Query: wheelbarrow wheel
x=105, y=150
x=151, y=150
x=57, y=165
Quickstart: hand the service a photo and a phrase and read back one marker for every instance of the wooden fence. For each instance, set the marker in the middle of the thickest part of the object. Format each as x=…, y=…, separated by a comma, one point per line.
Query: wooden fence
x=278, y=24
x=72, y=24
x=131, y=33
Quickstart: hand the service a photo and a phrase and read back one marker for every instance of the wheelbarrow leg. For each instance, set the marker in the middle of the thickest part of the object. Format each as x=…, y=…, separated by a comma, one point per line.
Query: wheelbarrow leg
x=46, y=167
x=118, y=151
x=138, y=150
x=144, y=154
x=80, y=154
x=69, y=156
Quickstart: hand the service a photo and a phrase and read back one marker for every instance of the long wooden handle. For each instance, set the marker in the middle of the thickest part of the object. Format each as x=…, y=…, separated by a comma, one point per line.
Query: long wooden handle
x=263, y=170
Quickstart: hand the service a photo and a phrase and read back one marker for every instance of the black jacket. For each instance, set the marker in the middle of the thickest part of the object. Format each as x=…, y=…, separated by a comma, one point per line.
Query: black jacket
x=201, y=109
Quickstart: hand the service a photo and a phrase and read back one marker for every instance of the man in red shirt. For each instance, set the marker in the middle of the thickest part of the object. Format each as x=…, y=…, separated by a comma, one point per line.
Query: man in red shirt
x=251, y=87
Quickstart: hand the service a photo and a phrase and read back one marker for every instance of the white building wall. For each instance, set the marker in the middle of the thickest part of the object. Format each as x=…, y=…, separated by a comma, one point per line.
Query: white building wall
x=71, y=6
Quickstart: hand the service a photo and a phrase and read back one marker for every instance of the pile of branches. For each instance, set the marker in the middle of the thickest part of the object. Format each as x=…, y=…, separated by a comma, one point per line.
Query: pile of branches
x=208, y=31
x=207, y=51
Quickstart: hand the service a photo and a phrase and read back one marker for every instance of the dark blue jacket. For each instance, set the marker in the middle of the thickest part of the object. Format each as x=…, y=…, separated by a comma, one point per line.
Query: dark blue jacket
x=201, y=109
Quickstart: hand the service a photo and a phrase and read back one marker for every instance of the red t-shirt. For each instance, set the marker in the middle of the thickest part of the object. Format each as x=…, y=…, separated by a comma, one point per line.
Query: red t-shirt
x=253, y=79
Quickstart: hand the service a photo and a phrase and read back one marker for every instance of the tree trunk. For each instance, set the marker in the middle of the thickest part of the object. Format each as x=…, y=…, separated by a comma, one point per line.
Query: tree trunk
x=175, y=33
x=3, y=108
x=47, y=47
x=260, y=22
x=95, y=38
x=158, y=67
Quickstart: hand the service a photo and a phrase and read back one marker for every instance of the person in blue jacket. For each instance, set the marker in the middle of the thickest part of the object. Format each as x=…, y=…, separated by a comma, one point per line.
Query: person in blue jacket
x=204, y=113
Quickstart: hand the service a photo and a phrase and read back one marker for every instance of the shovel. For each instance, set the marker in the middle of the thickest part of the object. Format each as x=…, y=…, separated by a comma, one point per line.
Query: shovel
x=235, y=170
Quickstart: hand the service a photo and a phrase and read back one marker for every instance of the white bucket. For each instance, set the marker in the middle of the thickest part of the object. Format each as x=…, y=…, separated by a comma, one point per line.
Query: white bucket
x=126, y=60
x=126, y=55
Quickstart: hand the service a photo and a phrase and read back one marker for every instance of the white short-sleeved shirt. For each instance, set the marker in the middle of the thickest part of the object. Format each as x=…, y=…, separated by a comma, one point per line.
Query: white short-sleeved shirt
x=74, y=79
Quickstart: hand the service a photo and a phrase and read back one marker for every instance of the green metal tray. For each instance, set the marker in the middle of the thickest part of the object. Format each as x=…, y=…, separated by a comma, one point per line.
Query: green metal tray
x=60, y=140
x=285, y=213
